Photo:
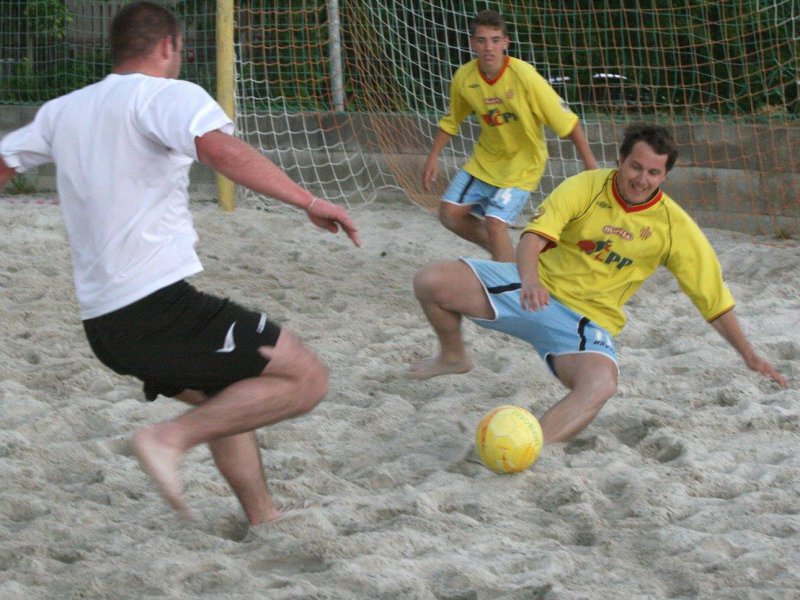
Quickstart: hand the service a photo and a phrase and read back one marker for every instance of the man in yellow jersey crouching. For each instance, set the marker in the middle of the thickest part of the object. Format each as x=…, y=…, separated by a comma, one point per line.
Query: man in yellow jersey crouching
x=586, y=251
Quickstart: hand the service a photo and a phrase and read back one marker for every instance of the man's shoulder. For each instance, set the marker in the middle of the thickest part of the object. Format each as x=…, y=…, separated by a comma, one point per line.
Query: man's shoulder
x=593, y=177
x=583, y=187
x=466, y=69
x=521, y=68
x=679, y=217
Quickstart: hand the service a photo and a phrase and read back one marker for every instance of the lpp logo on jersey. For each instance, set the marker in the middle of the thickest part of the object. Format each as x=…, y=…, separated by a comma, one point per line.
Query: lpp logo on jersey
x=602, y=252
x=495, y=117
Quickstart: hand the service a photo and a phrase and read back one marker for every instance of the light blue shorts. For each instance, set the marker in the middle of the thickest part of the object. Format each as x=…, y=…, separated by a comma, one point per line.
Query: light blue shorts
x=553, y=330
x=504, y=204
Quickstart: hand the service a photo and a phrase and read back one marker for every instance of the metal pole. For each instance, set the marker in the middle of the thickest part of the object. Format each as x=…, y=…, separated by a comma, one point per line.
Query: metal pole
x=335, y=51
x=225, y=88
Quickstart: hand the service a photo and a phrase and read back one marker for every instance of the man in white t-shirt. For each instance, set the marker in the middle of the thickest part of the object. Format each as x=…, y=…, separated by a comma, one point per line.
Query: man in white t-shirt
x=122, y=149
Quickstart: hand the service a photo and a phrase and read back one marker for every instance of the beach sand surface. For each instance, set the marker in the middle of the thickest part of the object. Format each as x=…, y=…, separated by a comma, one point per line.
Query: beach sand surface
x=687, y=485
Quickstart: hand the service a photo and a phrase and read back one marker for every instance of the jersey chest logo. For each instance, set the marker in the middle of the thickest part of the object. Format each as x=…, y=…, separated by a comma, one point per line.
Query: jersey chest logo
x=601, y=251
x=496, y=117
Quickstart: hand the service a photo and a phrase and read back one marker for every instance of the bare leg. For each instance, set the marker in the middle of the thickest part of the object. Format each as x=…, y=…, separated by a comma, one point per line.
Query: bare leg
x=238, y=458
x=293, y=382
x=500, y=244
x=459, y=220
x=592, y=379
x=446, y=291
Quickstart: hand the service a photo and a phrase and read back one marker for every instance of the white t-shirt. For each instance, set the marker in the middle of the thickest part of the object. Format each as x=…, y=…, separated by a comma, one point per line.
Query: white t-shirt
x=122, y=149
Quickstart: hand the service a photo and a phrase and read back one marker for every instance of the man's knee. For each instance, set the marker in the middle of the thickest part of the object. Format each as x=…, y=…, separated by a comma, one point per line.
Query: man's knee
x=451, y=215
x=603, y=387
x=315, y=384
x=296, y=364
x=595, y=380
x=496, y=227
x=428, y=280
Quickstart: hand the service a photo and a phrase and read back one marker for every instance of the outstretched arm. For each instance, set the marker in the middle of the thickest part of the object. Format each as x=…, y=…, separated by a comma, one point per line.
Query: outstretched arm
x=728, y=327
x=6, y=173
x=582, y=146
x=240, y=162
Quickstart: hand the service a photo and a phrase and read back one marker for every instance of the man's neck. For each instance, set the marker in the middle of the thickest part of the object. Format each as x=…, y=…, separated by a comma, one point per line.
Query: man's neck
x=137, y=66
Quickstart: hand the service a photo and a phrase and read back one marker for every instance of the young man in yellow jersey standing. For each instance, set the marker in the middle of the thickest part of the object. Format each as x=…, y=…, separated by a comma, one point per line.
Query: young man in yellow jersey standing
x=512, y=102
x=586, y=251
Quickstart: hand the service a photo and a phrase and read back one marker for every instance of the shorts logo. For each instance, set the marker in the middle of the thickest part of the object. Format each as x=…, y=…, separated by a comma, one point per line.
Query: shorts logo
x=229, y=345
x=602, y=339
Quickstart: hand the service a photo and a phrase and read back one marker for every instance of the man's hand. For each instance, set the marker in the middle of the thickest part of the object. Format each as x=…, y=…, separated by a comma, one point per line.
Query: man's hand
x=330, y=216
x=430, y=173
x=533, y=296
x=758, y=364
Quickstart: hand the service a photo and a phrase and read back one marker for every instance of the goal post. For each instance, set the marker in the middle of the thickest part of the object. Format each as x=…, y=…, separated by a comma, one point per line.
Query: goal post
x=226, y=188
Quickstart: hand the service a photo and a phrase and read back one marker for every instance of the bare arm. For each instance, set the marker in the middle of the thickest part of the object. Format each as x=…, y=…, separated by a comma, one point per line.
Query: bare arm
x=6, y=173
x=431, y=170
x=242, y=163
x=728, y=327
x=582, y=146
x=533, y=295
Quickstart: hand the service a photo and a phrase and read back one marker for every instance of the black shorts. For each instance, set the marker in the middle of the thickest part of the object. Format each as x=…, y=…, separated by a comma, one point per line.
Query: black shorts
x=180, y=338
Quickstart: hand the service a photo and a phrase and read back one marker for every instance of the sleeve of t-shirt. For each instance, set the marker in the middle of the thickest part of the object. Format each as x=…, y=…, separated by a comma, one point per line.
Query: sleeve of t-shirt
x=459, y=108
x=177, y=112
x=30, y=146
x=695, y=265
x=550, y=109
x=564, y=203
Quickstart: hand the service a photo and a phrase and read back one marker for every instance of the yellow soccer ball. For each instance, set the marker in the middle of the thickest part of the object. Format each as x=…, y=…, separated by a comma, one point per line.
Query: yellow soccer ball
x=508, y=439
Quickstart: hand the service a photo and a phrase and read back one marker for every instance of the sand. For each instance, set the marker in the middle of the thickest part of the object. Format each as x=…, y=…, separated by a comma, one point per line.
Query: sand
x=687, y=485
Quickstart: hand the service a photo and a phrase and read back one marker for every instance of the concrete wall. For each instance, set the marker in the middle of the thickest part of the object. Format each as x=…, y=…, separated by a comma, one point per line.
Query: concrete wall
x=756, y=165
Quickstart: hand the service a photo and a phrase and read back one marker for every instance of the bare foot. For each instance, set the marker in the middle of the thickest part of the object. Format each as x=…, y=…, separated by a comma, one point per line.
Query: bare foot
x=161, y=463
x=435, y=366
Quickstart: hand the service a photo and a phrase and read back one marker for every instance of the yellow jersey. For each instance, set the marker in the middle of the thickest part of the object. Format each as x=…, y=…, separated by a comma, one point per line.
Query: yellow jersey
x=602, y=249
x=511, y=109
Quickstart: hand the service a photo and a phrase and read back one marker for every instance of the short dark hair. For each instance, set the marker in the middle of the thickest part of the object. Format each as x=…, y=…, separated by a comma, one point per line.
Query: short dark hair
x=138, y=27
x=488, y=18
x=655, y=136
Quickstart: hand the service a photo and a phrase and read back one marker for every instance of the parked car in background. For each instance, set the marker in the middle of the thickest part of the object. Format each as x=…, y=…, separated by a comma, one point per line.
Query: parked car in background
x=603, y=89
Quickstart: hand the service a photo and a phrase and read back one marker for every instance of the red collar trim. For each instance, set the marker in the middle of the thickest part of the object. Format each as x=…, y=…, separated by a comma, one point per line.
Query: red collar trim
x=634, y=207
x=499, y=73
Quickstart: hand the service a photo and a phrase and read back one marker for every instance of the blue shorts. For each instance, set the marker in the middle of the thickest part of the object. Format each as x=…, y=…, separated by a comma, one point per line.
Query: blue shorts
x=487, y=200
x=552, y=331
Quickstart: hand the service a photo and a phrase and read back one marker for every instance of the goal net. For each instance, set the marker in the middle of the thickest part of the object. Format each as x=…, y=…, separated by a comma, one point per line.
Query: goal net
x=346, y=96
